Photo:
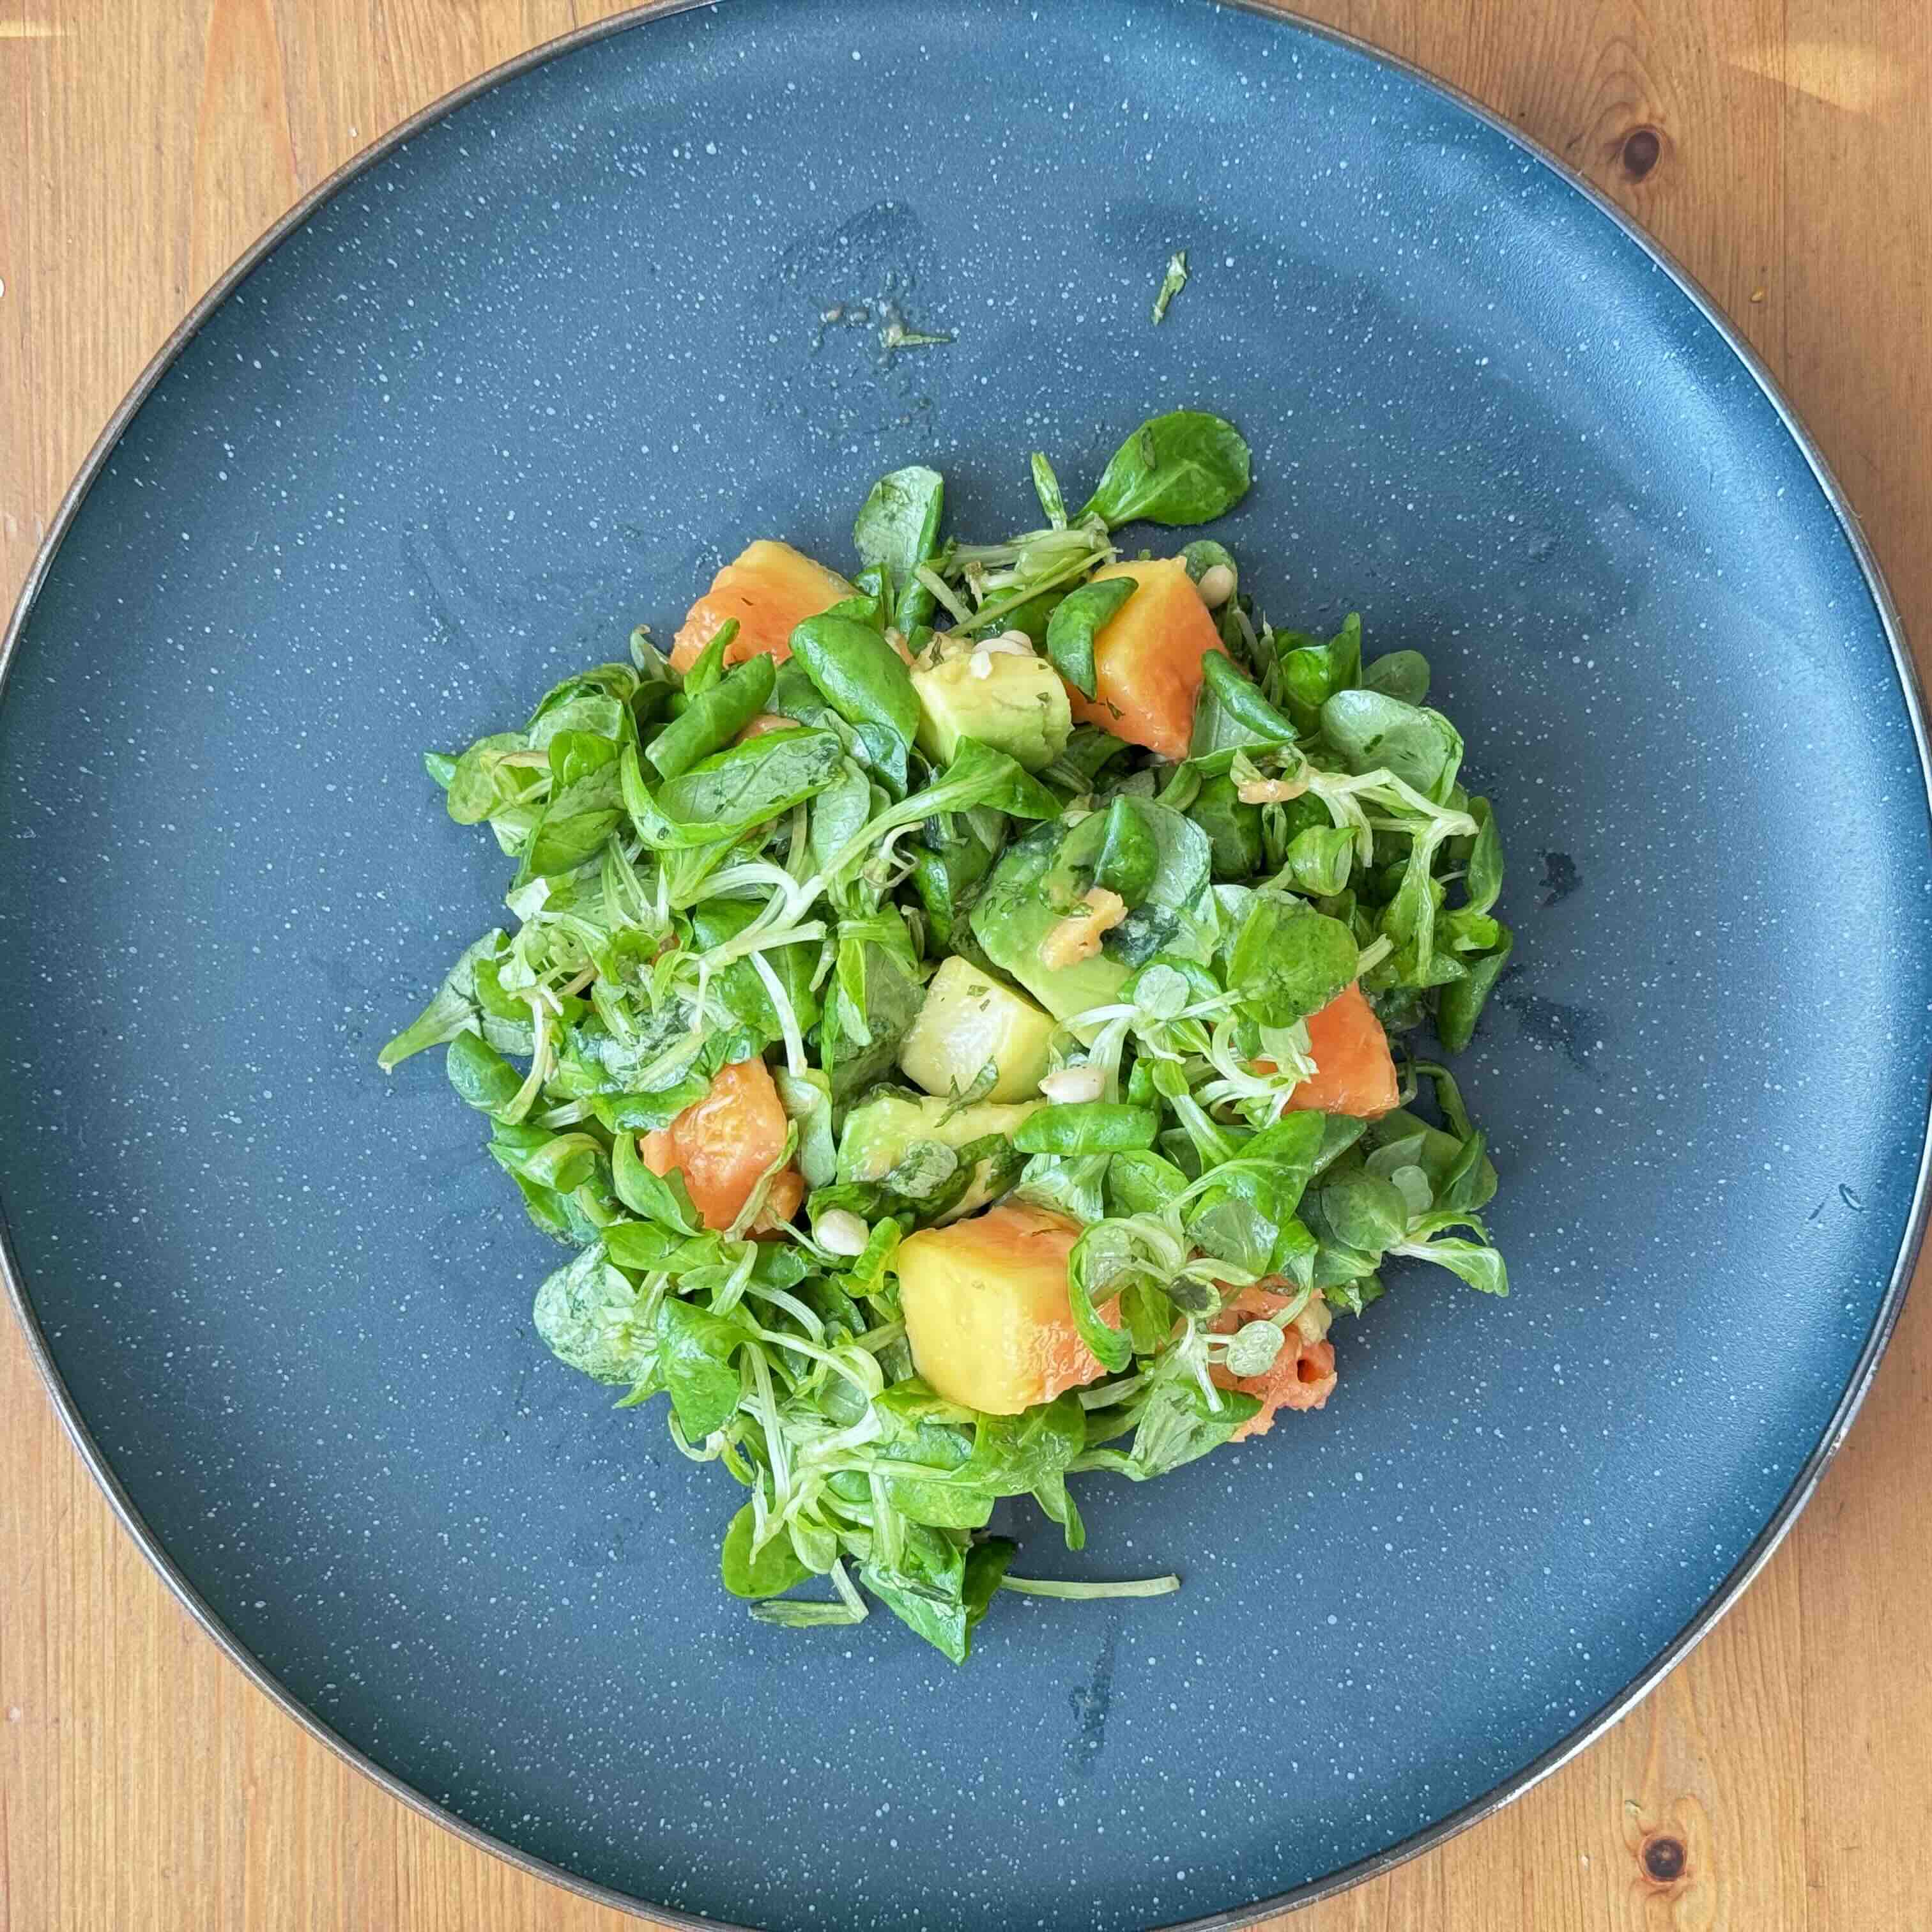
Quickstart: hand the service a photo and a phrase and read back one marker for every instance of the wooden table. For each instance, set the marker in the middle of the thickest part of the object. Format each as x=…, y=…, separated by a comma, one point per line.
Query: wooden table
x=1782, y=149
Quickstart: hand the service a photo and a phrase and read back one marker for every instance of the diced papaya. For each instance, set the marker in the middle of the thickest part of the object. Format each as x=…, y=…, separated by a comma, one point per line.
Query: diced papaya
x=986, y=1312
x=722, y=1144
x=1302, y=1376
x=771, y=589
x=1147, y=659
x=1355, y=1072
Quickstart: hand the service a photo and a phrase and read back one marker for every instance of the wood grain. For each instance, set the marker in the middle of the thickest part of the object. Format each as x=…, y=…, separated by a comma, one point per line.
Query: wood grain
x=1780, y=1779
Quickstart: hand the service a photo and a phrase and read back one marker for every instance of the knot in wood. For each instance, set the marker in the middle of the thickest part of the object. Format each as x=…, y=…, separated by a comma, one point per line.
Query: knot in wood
x=1664, y=1858
x=1642, y=149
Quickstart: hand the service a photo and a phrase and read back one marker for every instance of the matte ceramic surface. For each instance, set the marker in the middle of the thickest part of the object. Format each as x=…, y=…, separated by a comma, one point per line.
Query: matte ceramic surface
x=524, y=383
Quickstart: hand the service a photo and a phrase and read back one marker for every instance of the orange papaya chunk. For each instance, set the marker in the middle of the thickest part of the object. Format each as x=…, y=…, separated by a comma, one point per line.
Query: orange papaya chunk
x=1355, y=1072
x=771, y=589
x=1147, y=659
x=722, y=1144
x=1302, y=1376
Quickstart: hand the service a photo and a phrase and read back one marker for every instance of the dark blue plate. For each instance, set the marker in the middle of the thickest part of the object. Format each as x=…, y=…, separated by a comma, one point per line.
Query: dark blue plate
x=520, y=382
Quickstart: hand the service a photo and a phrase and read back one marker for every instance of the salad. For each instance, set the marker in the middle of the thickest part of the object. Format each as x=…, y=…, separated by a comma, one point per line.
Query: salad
x=948, y=1009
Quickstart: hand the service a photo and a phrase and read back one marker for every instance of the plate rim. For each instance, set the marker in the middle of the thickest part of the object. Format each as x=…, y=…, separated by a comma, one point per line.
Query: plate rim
x=1728, y=1590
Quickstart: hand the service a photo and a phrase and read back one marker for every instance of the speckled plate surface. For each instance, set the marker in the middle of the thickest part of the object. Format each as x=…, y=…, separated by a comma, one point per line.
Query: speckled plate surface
x=521, y=384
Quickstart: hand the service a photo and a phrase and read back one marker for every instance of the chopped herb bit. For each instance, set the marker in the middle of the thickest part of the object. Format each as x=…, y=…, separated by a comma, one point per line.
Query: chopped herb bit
x=1171, y=283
